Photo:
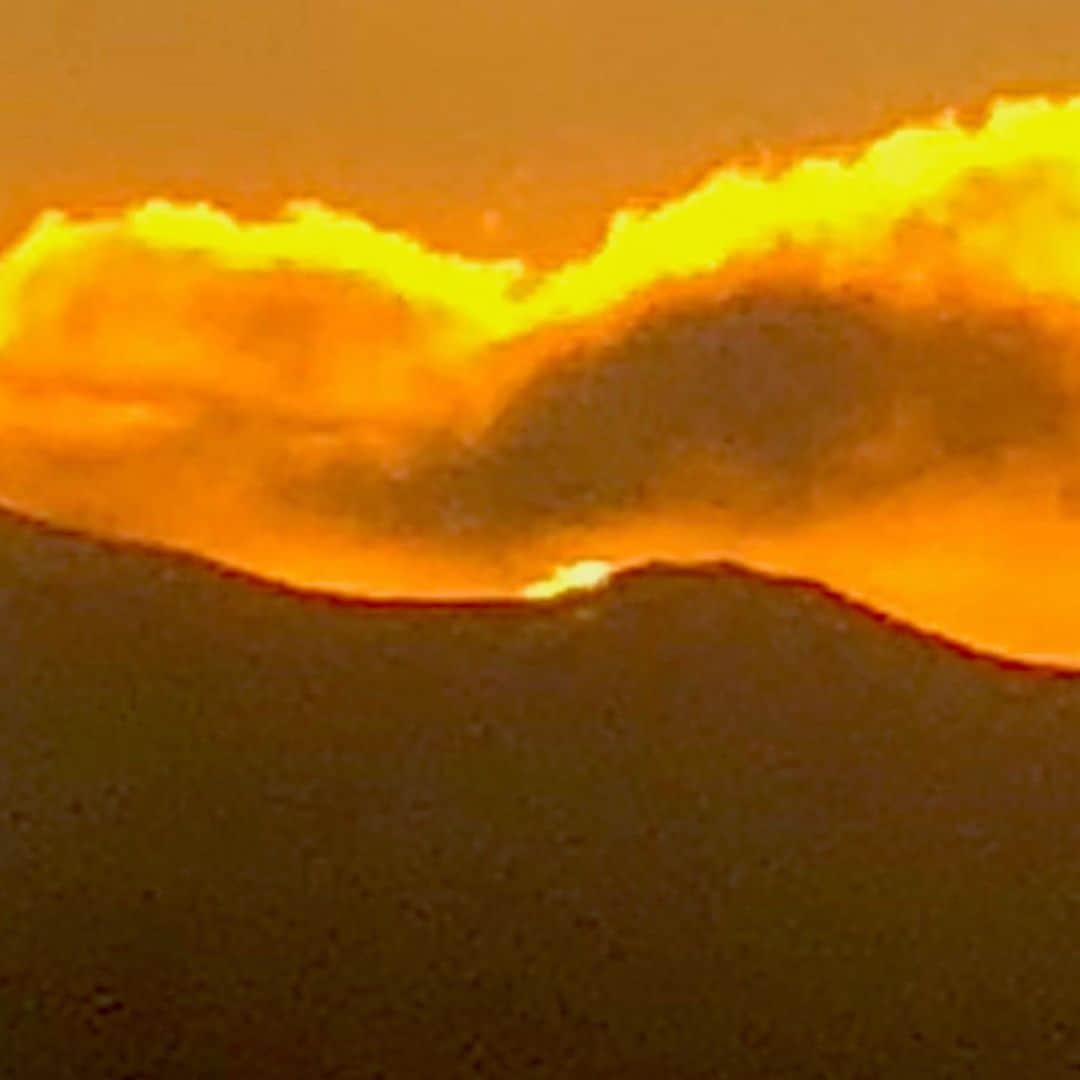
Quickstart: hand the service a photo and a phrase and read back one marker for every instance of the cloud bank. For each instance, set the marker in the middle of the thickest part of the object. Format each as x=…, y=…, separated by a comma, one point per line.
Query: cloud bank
x=820, y=368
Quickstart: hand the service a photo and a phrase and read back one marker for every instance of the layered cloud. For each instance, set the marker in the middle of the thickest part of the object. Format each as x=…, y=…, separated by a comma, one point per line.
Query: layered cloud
x=862, y=368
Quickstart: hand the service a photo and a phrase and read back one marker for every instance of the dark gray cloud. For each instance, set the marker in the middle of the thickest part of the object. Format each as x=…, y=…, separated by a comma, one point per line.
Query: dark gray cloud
x=771, y=404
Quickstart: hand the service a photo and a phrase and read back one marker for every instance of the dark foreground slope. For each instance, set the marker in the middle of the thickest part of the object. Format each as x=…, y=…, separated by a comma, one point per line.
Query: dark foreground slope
x=697, y=825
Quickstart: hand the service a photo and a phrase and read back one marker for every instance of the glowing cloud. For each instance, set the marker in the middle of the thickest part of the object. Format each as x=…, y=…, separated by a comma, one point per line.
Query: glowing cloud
x=863, y=368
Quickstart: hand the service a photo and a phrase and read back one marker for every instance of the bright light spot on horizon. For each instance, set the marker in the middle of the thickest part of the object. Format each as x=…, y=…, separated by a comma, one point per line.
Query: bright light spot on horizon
x=577, y=577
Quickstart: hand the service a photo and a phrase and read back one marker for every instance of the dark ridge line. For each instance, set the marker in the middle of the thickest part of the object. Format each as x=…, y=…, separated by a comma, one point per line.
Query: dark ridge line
x=708, y=571
x=837, y=600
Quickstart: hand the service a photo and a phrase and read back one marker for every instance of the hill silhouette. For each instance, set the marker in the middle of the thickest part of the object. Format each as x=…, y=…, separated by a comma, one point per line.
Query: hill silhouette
x=699, y=823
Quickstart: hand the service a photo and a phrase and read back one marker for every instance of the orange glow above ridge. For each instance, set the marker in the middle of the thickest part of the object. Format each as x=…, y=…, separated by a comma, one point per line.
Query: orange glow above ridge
x=336, y=406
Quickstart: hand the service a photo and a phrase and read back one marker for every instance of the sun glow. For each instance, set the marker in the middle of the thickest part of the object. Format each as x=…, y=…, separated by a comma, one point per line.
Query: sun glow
x=579, y=577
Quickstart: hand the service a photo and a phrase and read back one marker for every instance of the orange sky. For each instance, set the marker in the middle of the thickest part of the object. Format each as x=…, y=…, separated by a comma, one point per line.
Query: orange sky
x=863, y=369
x=432, y=114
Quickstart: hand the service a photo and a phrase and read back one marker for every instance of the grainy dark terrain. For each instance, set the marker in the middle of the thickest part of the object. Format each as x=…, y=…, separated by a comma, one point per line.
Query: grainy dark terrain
x=699, y=824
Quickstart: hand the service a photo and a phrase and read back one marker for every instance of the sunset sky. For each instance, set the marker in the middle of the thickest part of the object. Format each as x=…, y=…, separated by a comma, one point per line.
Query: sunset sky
x=791, y=284
x=493, y=127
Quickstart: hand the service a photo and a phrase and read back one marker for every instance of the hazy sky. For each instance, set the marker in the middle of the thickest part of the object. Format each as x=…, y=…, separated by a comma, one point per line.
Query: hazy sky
x=431, y=112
